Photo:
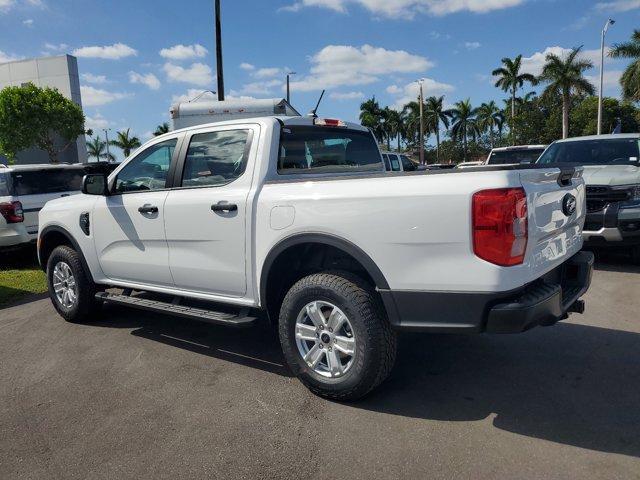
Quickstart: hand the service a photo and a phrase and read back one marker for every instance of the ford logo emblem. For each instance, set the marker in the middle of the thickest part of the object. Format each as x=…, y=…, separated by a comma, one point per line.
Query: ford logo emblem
x=569, y=205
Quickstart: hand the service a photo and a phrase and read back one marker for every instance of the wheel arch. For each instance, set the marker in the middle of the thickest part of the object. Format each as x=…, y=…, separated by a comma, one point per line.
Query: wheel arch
x=53, y=236
x=316, y=241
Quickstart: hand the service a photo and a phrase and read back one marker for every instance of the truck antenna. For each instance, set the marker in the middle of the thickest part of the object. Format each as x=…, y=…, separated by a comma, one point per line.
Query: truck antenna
x=313, y=113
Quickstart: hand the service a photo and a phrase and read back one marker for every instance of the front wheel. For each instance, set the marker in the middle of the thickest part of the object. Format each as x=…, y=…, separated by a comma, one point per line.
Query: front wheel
x=71, y=290
x=335, y=335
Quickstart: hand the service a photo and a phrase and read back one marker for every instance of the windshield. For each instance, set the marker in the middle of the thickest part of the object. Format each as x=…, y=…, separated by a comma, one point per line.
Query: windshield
x=305, y=149
x=504, y=157
x=621, y=151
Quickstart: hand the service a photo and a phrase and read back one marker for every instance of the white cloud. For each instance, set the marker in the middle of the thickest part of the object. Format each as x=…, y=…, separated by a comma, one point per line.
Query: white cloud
x=618, y=6
x=95, y=97
x=192, y=94
x=338, y=65
x=6, y=5
x=346, y=96
x=247, y=66
x=184, y=52
x=149, y=79
x=97, y=122
x=267, y=72
x=28, y=22
x=472, y=45
x=109, y=52
x=261, y=88
x=8, y=57
x=535, y=62
x=611, y=81
x=56, y=48
x=407, y=8
x=197, y=74
x=411, y=91
x=91, y=78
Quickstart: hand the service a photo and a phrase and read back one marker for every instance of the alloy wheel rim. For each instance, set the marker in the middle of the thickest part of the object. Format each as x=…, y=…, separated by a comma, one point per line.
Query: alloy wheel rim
x=64, y=285
x=325, y=339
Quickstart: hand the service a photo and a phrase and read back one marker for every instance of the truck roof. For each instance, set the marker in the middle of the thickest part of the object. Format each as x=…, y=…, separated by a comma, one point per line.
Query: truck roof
x=43, y=166
x=519, y=147
x=612, y=136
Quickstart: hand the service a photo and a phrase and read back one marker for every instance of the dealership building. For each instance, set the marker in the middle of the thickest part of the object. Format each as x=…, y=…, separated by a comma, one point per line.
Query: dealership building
x=61, y=73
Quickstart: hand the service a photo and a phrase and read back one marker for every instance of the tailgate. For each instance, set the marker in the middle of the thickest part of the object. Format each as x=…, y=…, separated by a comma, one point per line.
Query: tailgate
x=556, y=200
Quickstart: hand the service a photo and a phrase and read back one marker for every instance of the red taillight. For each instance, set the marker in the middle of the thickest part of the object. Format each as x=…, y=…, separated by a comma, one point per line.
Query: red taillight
x=12, y=212
x=500, y=226
x=329, y=122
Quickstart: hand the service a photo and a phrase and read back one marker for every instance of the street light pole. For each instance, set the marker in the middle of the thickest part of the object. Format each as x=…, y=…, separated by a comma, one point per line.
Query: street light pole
x=421, y=99
x=600, y=93
x=220, y=72
x=106, y=136
x=288, y=88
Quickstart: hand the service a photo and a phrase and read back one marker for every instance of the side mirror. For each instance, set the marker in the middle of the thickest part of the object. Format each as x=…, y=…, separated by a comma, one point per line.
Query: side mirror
x=95, y=184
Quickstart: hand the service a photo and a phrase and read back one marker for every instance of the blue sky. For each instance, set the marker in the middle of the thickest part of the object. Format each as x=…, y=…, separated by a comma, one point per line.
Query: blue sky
x=137, y=57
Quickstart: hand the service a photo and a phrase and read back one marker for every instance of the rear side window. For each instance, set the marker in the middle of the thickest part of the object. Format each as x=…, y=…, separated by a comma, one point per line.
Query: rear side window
x=4, y=185
x=215, y=158
x=395, y=163
x=309, y=149
x=46, y=181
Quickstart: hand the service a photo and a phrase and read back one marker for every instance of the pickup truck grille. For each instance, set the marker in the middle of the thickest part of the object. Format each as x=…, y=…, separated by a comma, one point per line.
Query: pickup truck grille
x=598, y=197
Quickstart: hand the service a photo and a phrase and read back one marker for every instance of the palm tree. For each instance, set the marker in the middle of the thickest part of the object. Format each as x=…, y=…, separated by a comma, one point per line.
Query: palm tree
x=394, y=126
x=490, y=117
x=435, y=113
x=566, y=78
x=411, y=115
x=510, y=80
x=630, y=80
x=464, y=123
x=371, y=117
x=125, y=143
x=161, y=129
x=97, y=148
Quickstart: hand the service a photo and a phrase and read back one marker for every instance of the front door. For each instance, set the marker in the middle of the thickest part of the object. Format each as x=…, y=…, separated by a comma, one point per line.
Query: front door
x=128, y=225
x=205, y=213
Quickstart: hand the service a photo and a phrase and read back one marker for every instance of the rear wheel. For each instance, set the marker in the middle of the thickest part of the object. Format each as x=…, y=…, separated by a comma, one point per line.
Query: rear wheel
x=635, y=254
x=71, y=290
x=335, y=336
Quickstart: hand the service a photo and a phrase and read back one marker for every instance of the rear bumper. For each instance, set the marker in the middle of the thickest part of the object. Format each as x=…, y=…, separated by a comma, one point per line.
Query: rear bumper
x=15, y=235
x=541, y=303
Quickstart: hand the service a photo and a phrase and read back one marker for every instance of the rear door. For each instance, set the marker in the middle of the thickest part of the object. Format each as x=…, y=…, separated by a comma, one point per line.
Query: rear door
x=206, y=211
x=34, y=188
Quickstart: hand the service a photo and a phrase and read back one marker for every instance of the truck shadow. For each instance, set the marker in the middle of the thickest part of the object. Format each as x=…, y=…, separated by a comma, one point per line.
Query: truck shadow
x=615, y=260
x=570, y=384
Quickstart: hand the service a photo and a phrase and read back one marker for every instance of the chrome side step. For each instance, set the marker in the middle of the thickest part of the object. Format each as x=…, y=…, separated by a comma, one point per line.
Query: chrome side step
x=242, y=319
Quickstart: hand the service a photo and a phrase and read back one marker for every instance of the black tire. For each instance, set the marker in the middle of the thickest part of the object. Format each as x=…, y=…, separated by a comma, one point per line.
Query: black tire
x=376, y=342
x=85, y=308
x=635, y=254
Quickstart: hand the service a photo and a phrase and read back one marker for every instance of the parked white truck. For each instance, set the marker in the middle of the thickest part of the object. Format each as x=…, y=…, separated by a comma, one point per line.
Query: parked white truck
x=296, y=220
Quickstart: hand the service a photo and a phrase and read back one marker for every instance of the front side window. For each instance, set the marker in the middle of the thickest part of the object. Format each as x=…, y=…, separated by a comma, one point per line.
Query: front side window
x=215, y=158
x=387, y=165
x=620, y=151
x=148, y=170
x=314, y=149
x=34, y=182
x=407, y=164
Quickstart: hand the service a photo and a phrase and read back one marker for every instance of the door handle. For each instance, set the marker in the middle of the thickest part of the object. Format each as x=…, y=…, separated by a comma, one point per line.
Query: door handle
x=224, y=207
x=146, y=209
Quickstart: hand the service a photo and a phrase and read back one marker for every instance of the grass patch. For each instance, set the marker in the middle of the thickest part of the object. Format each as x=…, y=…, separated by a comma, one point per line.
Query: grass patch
x=20, y=275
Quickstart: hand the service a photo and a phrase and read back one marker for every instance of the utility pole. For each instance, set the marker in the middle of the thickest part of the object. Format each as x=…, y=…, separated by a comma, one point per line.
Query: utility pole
x=604, y=32
x=288, y=88
x=220, y=72
x=106, y=136
x=421, y=99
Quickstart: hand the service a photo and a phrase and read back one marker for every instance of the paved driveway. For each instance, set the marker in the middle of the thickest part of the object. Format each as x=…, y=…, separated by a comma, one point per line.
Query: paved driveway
x=140, y=396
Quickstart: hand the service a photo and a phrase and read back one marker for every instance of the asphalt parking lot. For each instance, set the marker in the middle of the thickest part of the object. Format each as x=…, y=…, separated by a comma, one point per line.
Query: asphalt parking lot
x=140, y=396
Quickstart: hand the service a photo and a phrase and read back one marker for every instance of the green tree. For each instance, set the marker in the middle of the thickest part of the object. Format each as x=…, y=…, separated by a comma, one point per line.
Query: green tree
x=584, y=116
x=162, y=129
x=465, y=124
x=125, y=142
x=630, y=80
x=411, y=114
x=371, y=117
x=38, y=117
x=436, y=114
x=394, y=126
x=490, y=117
x=566, y=78
x=510, y=79
x=97, y=149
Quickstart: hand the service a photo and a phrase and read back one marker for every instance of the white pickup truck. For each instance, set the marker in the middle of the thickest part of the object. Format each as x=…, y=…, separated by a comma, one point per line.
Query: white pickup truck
x=296, y=220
